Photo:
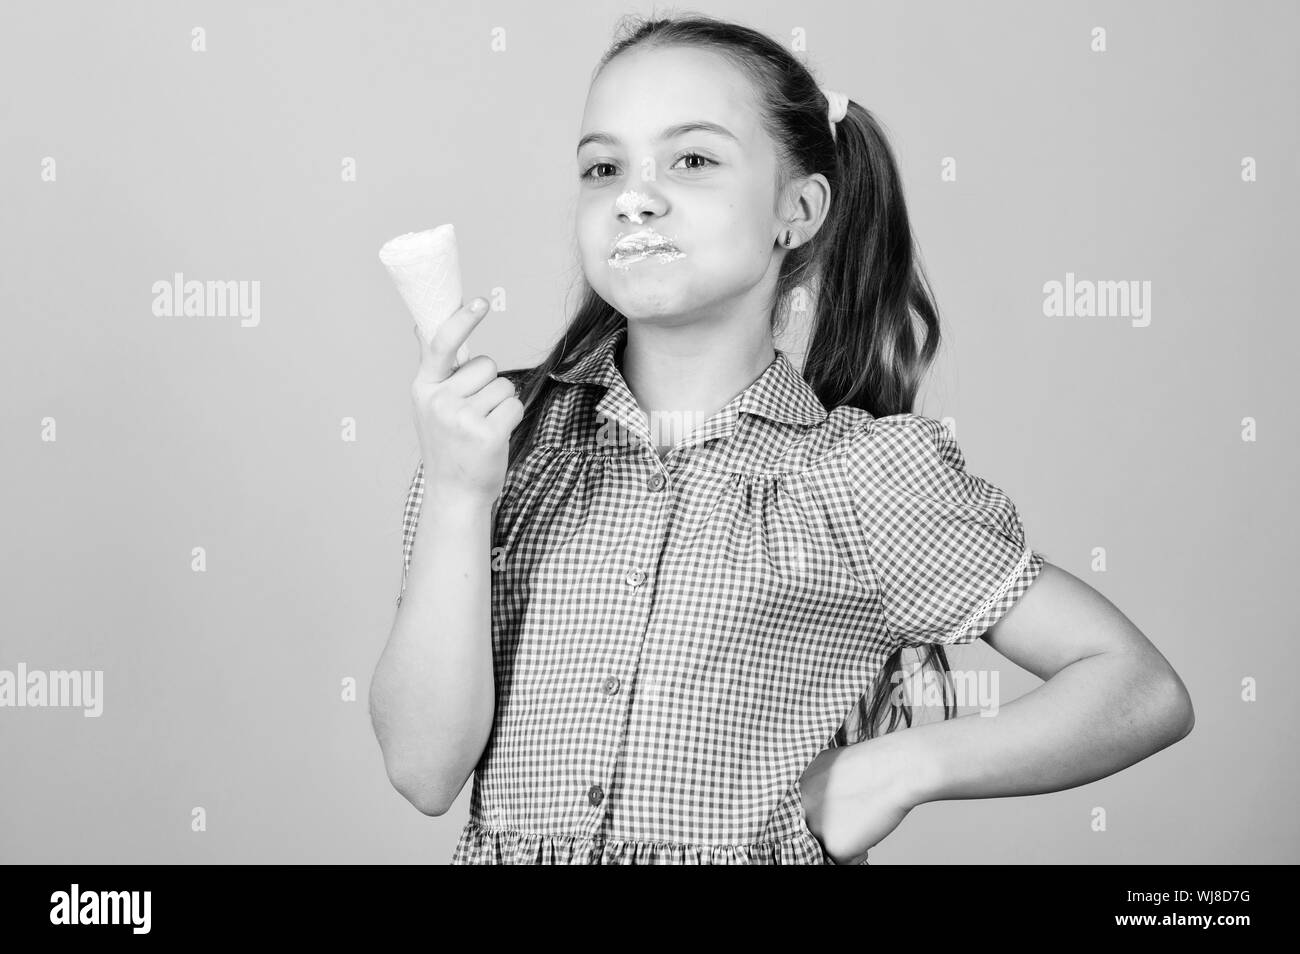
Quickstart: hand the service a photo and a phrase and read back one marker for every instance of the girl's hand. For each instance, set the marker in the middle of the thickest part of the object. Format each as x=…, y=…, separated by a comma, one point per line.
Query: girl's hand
x=464, y=415
x=854, y=796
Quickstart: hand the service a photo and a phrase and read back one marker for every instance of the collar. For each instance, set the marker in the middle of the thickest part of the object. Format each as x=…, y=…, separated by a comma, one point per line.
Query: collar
x=780, y=393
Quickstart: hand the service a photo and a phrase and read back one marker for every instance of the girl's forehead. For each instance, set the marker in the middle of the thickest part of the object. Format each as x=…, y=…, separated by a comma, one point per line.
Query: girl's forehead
x=644, y=92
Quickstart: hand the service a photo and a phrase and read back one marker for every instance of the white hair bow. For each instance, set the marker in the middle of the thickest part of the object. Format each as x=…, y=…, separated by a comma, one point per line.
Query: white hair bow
x=837, y=106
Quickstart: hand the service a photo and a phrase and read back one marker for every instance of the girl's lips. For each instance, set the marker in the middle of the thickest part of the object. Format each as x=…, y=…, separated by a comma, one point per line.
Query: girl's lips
x=643, y=241
x=647, y=243
x=623, y=260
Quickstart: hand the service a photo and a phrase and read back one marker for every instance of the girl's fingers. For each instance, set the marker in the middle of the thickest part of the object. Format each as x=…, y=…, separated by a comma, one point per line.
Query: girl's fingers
x=507, y=415
x=439, y=354
x=490, y=395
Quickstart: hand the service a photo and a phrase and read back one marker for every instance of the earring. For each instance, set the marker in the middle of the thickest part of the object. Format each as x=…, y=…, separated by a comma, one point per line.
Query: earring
x=786, y=243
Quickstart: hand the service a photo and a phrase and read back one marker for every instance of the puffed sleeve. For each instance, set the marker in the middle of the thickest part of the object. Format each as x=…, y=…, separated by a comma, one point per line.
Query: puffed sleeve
x=410, y=520
x=947, y=548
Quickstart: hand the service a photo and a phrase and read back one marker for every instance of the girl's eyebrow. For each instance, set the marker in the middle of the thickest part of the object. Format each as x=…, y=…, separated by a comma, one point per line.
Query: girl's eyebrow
x=696, y=125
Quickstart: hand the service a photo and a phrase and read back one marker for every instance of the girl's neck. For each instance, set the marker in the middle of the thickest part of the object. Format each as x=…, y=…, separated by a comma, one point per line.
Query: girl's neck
x=695, y=369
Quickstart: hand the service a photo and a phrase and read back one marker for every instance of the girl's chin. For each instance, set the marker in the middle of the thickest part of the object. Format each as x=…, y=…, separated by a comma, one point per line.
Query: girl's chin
x=648, y=307
x=644, y=291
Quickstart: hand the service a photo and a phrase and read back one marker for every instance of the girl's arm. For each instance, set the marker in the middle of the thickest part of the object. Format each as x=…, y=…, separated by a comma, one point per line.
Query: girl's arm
x=1110, y=699
x=432, y=694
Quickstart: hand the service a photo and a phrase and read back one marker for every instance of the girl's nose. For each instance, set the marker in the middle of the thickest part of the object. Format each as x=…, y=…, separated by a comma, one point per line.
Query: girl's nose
x=632, y=204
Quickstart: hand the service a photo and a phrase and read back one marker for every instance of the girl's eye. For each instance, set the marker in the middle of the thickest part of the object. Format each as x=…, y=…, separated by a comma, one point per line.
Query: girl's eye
x=686, y=155
x=696, y=155
x=588, y=173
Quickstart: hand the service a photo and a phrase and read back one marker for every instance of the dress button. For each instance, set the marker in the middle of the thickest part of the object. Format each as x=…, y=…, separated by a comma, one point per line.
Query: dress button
x=656, y=482
x=635, y=577
x=611, y=685
x=594, y=794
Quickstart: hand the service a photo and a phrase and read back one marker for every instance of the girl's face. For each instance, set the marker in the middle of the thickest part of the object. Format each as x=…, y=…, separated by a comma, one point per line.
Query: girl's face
x=712, y=195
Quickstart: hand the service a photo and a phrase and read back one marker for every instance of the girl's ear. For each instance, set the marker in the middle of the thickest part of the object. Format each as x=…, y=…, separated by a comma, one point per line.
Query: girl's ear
x=805, y=206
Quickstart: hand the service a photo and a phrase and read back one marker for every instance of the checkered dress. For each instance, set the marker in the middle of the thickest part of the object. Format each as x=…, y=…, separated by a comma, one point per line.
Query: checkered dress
x=675, y=640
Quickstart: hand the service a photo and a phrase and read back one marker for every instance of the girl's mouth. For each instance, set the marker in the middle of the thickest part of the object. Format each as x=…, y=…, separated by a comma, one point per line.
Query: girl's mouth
x=642, y=245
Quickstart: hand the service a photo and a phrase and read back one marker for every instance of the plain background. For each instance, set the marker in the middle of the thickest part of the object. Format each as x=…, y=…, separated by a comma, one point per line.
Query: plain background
x=222, y=688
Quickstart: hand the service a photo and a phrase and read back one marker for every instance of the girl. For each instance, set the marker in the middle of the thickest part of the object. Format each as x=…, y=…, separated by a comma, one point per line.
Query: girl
x=657, y=644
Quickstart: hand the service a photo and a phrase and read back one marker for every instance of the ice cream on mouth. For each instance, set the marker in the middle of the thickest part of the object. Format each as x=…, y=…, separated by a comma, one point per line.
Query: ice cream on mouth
x=641, y=245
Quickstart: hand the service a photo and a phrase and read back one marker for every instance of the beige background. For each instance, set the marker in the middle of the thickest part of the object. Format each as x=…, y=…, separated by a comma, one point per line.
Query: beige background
x=222, y=688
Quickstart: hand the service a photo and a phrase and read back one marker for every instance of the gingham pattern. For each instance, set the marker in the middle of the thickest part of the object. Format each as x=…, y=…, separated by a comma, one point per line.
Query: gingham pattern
x=675, y=640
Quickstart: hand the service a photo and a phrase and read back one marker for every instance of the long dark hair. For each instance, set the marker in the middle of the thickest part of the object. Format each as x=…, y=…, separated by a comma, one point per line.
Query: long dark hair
x=870, y=289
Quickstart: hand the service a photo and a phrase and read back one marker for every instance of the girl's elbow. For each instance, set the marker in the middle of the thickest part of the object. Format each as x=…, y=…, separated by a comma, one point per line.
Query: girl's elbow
x=427, y=798
x=1188, y=715
x=1176, y=708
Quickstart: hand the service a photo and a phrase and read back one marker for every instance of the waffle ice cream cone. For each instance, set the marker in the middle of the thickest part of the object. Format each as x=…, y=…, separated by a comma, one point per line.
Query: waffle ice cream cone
x=425, y=267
